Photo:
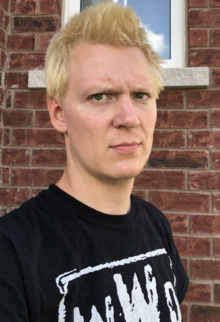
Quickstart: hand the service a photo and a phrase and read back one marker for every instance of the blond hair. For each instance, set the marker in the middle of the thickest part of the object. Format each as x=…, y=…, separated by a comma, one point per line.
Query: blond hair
x=106, y=23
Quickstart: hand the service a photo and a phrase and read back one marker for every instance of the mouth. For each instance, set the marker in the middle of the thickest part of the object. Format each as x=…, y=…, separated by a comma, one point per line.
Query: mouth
x=125, y=147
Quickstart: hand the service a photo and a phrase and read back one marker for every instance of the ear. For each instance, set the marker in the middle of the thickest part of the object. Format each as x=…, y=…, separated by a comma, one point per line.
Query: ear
x=57, y=115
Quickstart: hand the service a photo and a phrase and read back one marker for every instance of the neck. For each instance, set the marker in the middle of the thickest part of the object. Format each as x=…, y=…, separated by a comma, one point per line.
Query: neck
x=110, y=197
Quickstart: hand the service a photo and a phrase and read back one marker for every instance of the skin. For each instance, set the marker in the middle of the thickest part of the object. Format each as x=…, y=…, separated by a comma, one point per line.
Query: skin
x=108, y=118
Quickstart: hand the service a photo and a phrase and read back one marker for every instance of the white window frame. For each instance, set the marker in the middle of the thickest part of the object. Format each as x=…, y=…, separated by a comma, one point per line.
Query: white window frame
x=71, y=7
x=178, y=51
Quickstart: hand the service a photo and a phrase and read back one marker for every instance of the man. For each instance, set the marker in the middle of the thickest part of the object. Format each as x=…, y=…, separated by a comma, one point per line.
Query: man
x=86, y=249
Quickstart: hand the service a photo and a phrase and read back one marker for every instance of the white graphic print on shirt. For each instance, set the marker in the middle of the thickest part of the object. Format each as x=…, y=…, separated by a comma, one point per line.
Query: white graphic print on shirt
x=141, y=303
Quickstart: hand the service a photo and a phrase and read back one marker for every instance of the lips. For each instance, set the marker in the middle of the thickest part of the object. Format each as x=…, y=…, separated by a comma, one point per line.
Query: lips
x=126, y=147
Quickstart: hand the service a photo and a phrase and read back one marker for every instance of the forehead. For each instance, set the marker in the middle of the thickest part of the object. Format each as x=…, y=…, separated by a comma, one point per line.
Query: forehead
x=99, y=59
x=97, y=68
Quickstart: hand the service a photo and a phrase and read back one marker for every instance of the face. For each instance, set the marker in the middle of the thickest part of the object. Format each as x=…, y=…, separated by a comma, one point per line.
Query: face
x=109, y=111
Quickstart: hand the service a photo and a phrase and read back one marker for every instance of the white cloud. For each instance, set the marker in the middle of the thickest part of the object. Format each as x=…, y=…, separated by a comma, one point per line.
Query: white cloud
x=157, y=41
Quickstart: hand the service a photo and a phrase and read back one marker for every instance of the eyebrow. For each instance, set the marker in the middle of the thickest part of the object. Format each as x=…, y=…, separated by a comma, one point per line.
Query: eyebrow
x=112, y=88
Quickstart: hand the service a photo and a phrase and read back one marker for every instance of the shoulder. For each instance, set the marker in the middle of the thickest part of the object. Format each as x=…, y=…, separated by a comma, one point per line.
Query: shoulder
x=155, y=215
x=24, y=217
x=157, y=223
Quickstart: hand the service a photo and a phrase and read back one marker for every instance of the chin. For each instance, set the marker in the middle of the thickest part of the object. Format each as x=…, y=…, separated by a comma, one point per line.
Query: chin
x=126, y=173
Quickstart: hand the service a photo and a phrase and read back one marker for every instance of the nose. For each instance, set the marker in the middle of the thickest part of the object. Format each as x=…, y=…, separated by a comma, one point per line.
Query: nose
x=125, y=115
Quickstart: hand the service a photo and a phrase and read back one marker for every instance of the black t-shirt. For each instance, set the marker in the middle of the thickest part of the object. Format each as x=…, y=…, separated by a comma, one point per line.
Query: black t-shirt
x=64, y=261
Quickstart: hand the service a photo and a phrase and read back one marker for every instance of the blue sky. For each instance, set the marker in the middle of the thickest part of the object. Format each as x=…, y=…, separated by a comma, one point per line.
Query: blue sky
x=155, y=16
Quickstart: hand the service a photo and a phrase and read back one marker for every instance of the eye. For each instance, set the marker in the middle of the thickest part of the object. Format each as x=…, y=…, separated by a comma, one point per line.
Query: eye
x=99, y=97
x=141, y=96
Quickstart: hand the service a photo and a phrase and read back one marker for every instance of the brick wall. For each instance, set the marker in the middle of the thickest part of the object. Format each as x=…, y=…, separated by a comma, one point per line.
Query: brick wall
x=182, y=177
x=32, y=153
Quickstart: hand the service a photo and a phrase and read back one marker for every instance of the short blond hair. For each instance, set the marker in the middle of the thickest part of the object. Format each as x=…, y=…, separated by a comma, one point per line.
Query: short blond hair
x=106, y=23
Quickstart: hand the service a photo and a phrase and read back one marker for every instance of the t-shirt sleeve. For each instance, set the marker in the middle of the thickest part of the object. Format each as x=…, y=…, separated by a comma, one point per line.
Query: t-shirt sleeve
x=182, y=280
x=13, y=304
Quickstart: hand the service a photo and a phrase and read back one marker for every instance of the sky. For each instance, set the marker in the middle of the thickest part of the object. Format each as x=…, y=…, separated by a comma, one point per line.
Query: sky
x=155, y=17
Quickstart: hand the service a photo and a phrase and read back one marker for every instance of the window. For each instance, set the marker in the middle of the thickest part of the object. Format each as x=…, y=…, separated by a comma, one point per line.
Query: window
x=163, y=19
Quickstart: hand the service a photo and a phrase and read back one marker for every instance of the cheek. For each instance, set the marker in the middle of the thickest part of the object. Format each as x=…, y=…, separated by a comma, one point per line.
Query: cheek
x=82, y=129
x=149, y=121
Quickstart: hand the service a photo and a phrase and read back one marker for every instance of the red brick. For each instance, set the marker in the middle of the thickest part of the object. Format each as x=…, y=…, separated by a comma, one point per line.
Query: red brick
x=197, y=3
x=182, y=119
x=204, y=57
x=215, y=77
x=3, y=211
x=204, y=139
x=204, y=17
x=13, y=196
x=217, y=293
x=204, y=98
x=215, y=37
x=198, y=37
x=36, y=24
x=198, y=293
x=0, y=136
x=16, y=80
x=2, y=38
x=35, y=177
x=215, y=118
x=16, y=156
x=205, y=269
x=1, y=96
x=8, y=100
x=192, y=246
x=179, y=222
x=142, y=194
x=21, y=42
x=171, y=99
x=204, y=180
x=5, y=175
x=4, y=4
x=7, y=134
x=30, y=100
x=4, y=18
x=50, y=6
x=161, y=180
x=216, y=203
x=8, y=103
x=17, y=118
x=36, y=191
x=37, y=137
x=204, y=313
x=217, y=247
x=26, y=60
x=1, y=92
x=178, y=159
x=49, y=157
x=2, y=58
x=44, y=40
x=169, y=139
x=185, y=264
x=205, y=224
x=215, y=3
x=180, y=201
x=42, y=119
x=215, y=158
x=184, y=312
x=23, y=6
